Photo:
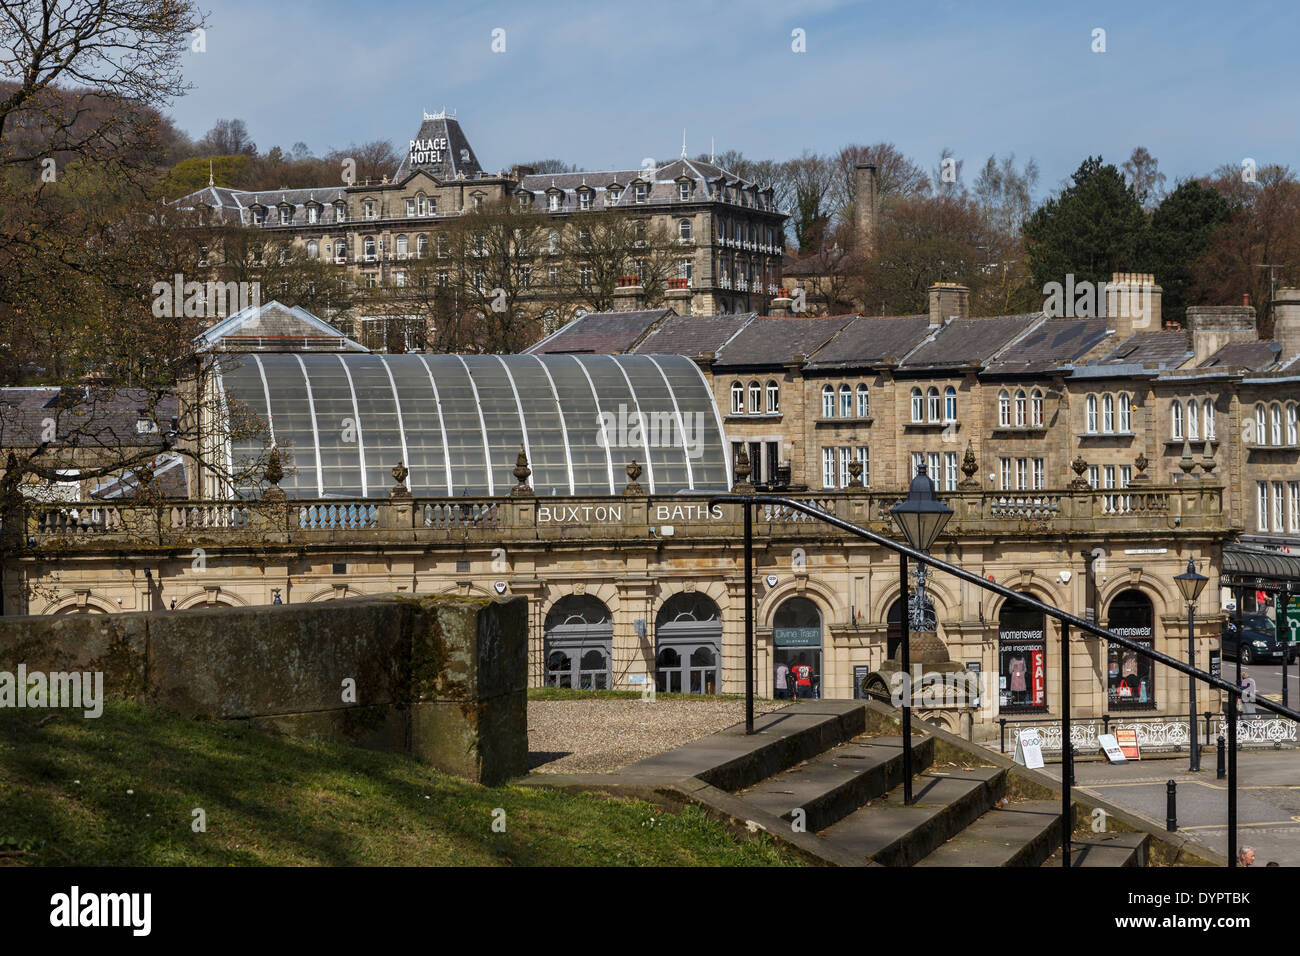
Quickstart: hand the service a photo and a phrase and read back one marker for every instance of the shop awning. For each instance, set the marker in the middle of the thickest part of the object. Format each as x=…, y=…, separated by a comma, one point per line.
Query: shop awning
x=1257, y=563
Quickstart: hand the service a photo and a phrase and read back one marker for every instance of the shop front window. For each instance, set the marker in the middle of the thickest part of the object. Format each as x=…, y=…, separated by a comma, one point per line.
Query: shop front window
x=797, y=649
x=1022, y=660
x=1130, y=677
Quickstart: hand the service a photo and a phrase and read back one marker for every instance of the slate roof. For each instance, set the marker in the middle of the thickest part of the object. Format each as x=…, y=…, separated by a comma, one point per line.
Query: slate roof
x=1163, y=349
x=693, y=334
x=235, y=205
x=970, y=341
x=458, y=158
x=662, y=181
x=1046, y=348
x=870, y=340
x=1252, y=356
x=274, y=327
x=767, y=341
x=85, y=417
x=604, y=333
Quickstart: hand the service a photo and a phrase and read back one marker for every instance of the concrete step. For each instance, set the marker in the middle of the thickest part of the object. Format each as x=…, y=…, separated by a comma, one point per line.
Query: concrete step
x=1017, y=834
x=1105, y=849
x=833, y=784
x=943, y=804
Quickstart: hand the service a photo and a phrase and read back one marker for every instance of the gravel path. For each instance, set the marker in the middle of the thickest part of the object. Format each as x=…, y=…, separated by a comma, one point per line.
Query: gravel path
x=599, y=736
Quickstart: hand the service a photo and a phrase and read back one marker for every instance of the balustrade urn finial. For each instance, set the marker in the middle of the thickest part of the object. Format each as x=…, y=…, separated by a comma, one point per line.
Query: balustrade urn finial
x=1187, y=463
x=1141, y=464
x=742, y=472
x=1208, y=463
x=273, y=473
x=969, y=468
x=633, y=473
x=521, y=473
x=399, y=490
x=1080, y=466
x=855, y=474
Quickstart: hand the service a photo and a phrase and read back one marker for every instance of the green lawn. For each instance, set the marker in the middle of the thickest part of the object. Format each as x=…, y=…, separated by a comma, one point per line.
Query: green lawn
x=121, y=790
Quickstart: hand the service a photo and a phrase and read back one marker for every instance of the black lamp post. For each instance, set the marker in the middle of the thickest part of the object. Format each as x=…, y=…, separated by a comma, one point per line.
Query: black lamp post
x=1191, y=584
x=921, y=517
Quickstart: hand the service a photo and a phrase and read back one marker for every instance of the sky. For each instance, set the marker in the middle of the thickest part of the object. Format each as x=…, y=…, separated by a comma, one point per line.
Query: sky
x=607, y=84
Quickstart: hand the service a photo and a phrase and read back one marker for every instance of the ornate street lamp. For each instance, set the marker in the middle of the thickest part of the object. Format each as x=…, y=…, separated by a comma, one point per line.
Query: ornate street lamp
x=1191, y=584
x=921, y=517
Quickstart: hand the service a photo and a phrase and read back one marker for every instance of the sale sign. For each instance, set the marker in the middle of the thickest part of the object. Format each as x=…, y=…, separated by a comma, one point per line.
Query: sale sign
x=1039, y=675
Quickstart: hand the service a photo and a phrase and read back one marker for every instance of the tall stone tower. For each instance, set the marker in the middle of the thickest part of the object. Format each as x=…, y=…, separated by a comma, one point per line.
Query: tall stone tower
x=864, y=205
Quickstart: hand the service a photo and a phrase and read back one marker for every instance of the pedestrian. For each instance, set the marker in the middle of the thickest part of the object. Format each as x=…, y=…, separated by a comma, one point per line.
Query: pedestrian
x=1246, y=857
x=803, y=675
x=1247, y=694
x=782, y=686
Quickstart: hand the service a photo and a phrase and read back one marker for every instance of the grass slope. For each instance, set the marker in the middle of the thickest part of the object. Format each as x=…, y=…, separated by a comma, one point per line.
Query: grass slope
x=121, y=790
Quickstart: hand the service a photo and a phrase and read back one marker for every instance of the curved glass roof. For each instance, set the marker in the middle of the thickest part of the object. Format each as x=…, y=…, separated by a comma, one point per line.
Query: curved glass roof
x=343, y=420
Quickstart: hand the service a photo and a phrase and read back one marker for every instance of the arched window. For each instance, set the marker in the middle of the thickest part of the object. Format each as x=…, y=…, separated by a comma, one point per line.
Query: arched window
x=1022, y=659
x=828, y=402
x=797, y=647
x=578, y=639
x=737, y=398
x=1131, y=676
x=1108, y=413
x=1193, y=422
x=369, y=247
x=401, y=246
x=1036, y=408
x=1209, y=418
x=1176, y=419
x=1291, y=415
x=1004, y=408
x=755, y=397
x=421, y=246
x=313, y=249
x=1277, y=423
x=1090, y=425
x=773, y=397
x=950, y=404
x=932, y=404
x=1021, y=408
x=1125, y=412
x=684, y=229
x=421, y=204
x=918, y=404
x=688, y=645
x=864, y=402
x=1261, y=424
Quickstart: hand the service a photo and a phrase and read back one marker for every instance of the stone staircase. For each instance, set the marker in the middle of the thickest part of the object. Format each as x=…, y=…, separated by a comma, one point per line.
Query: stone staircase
x=827, y=777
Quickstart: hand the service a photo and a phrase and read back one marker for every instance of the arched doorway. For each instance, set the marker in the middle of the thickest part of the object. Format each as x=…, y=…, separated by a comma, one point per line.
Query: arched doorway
x=578, y=642
x=894, y=630
x=1130, y=677
x=688, y=645
x=797, y=648
x=1022, y=659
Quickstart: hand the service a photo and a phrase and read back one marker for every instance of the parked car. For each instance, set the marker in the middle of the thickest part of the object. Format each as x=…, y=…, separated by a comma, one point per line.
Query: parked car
x=1260, y=644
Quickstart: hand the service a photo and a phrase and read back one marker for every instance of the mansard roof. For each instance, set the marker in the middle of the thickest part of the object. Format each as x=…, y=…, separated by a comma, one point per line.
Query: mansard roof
x=454, y=158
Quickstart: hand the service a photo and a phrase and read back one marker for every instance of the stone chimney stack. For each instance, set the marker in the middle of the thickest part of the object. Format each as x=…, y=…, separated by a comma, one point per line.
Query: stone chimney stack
x=864, y=204
x=1286, y=322
x=1132, y=303
x=1211, y=327
x=629, y=294
x=948, y=300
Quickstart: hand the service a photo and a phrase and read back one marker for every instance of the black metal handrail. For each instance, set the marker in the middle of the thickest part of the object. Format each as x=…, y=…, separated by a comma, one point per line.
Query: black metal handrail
x=1065, y=618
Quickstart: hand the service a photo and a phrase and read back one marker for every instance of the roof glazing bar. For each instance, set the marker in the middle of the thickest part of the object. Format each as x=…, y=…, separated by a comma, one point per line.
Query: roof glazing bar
x=487, y=452
x=361, y=439
x=564, y=429
x=315, y=433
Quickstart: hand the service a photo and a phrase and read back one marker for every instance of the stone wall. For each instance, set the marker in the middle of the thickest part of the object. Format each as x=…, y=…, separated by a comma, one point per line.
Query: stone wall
x=441, y=678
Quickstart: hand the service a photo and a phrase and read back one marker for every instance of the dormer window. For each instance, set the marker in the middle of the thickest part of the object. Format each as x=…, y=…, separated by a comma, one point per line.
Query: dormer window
x=553, y=202
x=259, y=215
x=313, y=214
x=340, y=212
x=370, y=208
x=584, y=199
x=614, y=194
x=640, y=192
x=683, y=191
x=286, y=215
